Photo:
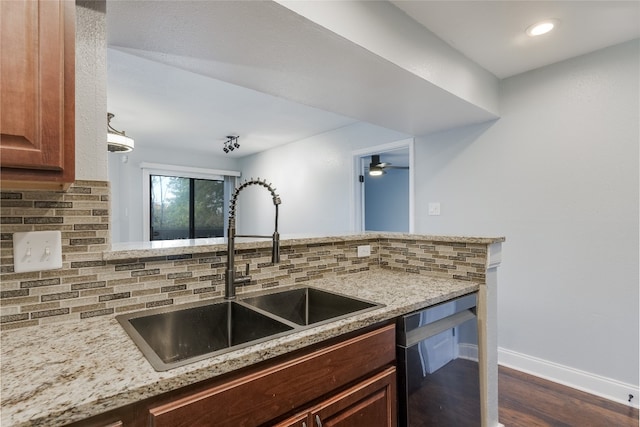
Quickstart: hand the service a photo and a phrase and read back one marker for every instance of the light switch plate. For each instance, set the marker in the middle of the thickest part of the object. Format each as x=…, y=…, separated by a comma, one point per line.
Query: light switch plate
x=364, y=251
x=434, y=208
x=37, y=251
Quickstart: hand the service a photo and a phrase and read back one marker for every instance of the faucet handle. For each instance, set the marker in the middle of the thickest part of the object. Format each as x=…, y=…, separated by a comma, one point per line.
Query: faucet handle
x=245, y=275
x=245, y=279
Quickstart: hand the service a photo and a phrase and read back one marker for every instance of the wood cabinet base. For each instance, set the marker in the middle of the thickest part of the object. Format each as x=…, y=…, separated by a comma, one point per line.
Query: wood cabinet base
x=347, y=382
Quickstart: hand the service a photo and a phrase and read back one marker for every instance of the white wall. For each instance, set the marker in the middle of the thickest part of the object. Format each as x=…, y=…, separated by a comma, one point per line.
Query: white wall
x=314, y=178
x=126, y=184
x=558, y=176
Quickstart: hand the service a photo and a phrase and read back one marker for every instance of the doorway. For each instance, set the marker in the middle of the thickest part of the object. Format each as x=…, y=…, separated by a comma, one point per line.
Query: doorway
x=383, y=188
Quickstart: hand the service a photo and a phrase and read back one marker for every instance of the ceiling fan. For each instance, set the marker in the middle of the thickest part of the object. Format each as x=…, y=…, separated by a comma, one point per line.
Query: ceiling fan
x=377, y=168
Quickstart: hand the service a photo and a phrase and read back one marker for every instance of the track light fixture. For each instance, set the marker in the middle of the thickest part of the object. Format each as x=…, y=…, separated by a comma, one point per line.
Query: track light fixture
x=231, y=143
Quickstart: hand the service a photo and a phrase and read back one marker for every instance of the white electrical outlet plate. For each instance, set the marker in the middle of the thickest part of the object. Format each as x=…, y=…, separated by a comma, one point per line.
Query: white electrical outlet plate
x=37, y=251
x=434, y=208
x=364, y=251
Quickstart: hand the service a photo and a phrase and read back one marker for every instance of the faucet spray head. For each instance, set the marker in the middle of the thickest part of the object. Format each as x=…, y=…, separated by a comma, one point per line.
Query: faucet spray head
x=245, y=184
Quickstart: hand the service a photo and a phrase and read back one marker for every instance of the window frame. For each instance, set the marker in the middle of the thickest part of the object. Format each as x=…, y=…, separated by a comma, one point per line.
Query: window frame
x=229, y=177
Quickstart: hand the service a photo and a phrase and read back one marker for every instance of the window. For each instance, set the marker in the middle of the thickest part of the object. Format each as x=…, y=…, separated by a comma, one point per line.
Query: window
x=184, y=202
x=186, y=208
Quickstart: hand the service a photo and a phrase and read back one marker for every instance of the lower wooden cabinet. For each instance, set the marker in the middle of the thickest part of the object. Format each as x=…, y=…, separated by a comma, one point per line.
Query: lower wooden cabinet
x=370, y=403
x=348, y=382
x=273, y=391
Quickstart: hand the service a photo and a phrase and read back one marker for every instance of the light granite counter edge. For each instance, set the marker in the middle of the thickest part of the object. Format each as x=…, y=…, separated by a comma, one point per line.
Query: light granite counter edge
x=133, y=250
x=91, y=369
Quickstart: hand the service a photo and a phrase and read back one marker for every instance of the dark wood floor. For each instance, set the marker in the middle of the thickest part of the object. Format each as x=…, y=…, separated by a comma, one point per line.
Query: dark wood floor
x=530, y=401
x=524, y=401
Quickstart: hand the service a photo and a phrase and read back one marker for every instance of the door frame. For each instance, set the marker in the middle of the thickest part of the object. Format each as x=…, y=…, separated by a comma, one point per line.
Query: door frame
x=357, y=168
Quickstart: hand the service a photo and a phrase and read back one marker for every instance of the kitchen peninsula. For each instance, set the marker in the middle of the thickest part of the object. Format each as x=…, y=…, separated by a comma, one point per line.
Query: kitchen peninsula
x=58, y=373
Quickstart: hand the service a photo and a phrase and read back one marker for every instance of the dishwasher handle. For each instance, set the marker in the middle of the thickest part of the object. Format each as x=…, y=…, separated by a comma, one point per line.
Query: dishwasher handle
x=411, y=338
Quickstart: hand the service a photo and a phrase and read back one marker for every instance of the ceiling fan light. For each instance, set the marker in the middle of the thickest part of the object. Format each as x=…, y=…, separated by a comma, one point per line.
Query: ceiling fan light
x=375, y=171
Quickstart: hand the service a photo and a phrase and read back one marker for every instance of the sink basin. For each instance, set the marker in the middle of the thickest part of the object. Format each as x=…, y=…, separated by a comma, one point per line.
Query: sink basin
x=309, y=306
x=171, y=337
x=178, y=335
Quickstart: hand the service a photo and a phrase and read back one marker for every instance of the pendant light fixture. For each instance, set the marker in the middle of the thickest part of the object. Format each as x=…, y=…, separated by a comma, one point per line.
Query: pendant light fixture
x=117, y=141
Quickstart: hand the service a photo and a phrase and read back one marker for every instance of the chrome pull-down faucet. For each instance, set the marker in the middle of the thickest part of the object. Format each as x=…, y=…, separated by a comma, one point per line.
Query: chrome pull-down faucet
x=230, y=273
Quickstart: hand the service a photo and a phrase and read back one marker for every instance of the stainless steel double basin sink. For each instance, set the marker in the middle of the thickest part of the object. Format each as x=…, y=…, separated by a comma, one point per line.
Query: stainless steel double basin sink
x=175, y=336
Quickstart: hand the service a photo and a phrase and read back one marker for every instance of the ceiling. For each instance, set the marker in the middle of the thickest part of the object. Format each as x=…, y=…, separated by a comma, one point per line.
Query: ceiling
x=174, y=67
x=164, y=106
x=492, y=33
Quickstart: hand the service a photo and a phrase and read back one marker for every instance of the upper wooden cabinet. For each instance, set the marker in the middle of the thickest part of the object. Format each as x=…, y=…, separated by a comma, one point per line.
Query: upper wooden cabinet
x=37, y=106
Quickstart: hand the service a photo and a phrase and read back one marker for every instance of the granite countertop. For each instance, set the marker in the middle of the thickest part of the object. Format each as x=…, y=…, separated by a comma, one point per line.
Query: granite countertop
x=129, y=250
x=64, y=372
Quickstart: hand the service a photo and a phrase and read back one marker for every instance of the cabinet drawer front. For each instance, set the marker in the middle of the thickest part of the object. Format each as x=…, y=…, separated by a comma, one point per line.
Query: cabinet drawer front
x=271, y=392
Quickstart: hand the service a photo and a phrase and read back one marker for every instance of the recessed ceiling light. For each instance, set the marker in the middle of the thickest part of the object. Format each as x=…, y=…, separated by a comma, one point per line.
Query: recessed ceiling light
x=542, y=27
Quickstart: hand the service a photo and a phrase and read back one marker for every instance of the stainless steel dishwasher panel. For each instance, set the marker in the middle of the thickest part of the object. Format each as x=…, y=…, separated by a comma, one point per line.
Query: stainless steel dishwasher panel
x=438, y=378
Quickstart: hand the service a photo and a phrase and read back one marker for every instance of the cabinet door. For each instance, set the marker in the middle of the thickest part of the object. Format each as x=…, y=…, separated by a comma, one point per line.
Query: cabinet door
x=37, y=67
x=371, y=403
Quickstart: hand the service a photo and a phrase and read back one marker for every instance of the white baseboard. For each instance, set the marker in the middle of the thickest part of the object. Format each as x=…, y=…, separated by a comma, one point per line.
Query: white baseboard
x=607, y=388
x=468, y=351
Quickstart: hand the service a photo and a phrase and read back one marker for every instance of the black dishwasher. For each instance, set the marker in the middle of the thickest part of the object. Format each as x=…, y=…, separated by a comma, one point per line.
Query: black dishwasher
x=438, y=377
